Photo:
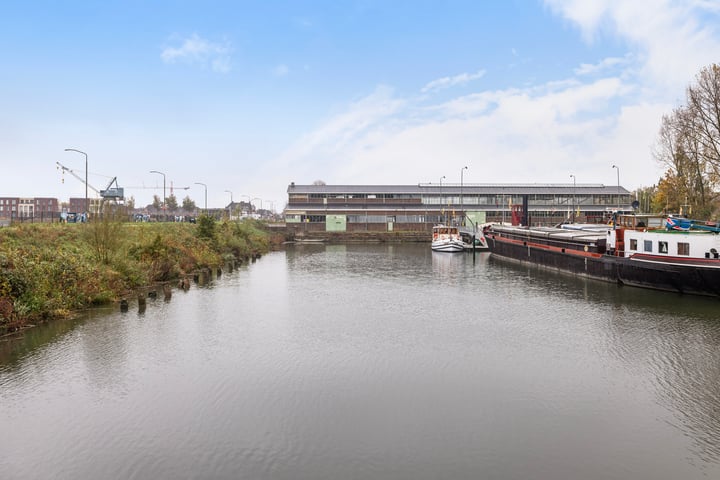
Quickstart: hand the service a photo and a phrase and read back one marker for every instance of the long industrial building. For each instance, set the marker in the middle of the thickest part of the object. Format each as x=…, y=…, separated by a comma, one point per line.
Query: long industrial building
x=354, y=208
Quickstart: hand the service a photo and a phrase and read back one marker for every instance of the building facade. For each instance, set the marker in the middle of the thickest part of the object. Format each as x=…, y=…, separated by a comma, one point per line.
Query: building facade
x=19, y=208
x=419, y=207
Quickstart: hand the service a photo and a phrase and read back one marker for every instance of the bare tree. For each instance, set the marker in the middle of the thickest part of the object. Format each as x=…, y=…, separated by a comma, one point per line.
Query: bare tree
x=704, y=100
x=688, y=147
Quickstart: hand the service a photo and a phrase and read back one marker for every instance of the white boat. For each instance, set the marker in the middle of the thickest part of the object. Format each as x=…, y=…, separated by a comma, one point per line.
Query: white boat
x=447, y=239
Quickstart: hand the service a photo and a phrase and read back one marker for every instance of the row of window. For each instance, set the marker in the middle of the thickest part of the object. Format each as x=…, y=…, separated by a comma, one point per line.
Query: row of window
x=26, y=201
x=438, y=218
x=563, y=200
x=682, y=247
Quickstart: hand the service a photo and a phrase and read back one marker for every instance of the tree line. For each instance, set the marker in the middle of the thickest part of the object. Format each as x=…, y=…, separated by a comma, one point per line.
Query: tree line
x=688, y=147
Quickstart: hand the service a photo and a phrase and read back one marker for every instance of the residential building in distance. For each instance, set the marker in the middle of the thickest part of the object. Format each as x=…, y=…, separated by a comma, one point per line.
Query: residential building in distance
x=17, y=208
x=9, y=207
x=77, y=205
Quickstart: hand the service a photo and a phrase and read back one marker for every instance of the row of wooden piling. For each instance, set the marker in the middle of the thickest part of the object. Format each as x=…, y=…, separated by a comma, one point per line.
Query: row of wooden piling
x=200, y=277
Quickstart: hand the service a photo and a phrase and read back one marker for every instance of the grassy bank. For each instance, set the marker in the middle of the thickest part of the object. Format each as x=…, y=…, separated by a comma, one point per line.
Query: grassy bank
x=51, y=271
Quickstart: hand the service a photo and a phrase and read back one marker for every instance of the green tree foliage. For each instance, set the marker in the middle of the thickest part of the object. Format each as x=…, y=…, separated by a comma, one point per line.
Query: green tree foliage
x=104, y=234
x=172, y=203
x=206, y=227
x=188, y=204
x=157, y=202
x=645, y=197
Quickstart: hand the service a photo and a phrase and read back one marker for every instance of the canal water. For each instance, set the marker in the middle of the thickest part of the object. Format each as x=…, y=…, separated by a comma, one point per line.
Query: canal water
x=371, y=362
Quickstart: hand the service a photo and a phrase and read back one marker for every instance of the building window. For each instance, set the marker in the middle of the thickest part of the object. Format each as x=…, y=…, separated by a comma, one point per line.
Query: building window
x=648, y=246
x=633, y=244
x=683, y=248
x=662, y=247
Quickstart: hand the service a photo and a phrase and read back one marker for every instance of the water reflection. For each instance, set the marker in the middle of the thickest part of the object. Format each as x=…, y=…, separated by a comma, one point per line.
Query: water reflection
x=670, y=341
x=371, y=361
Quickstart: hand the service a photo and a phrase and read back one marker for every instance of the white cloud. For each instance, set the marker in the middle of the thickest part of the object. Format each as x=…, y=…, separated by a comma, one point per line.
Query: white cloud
x=345, y=128
x=665, y=34
x=708, y=5
x=607, y=113
x=541, y=133
x=603, y=65
x=447, y=82
x=197, y=50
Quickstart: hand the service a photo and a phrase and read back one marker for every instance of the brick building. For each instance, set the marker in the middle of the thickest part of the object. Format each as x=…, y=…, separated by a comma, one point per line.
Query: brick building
x=16, y=208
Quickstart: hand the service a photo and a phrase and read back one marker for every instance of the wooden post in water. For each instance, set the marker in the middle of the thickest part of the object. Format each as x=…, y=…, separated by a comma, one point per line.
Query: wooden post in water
x=474, y=247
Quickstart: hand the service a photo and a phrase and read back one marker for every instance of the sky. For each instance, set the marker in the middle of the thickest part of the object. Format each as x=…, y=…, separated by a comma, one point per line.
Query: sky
x=249, y=96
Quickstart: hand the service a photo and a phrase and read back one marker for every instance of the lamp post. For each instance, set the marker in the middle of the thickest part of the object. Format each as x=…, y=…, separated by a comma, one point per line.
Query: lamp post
x=462, y=212
x=86, y=176
x=257, y=198
x=442, y=208
x=574, y=198
x=164, y=205
x=231, y=203
x=618, y=186
x=200, y=183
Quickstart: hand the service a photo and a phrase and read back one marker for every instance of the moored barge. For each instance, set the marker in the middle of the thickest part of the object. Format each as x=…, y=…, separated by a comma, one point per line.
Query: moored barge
x=647, y=251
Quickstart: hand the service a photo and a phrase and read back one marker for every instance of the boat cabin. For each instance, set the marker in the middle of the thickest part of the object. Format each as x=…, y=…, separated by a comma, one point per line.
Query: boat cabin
x=644, y=236
x=640, y=222
x=444, y=231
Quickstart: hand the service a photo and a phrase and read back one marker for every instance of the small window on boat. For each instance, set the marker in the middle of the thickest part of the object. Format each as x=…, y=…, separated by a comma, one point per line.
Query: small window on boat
x=683, y=248
x=648, y=246
x=633, y=244
x=662, y=247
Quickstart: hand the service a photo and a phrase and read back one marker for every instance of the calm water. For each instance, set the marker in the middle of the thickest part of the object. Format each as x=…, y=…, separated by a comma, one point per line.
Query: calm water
x=371, y=362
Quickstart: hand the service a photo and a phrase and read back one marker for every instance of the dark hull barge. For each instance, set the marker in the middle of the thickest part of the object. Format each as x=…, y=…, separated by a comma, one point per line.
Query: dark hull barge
x=637, y=250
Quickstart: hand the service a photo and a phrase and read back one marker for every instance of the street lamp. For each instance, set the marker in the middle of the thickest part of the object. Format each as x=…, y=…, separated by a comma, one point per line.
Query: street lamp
x=574, y=198
x=462, y=213
x=200, y=183
x=618, y=186
x=164, y=205
x=231, y=203
x=86, y=176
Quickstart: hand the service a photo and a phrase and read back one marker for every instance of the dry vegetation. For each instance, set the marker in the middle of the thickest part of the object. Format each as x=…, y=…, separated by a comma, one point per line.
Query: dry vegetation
x=51, y=271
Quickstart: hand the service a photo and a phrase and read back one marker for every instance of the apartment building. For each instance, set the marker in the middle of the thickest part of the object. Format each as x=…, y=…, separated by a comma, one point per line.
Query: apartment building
x=12, y=208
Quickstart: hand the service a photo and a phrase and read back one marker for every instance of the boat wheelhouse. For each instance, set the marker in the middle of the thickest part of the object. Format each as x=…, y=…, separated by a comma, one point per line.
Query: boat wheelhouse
x=446, y=238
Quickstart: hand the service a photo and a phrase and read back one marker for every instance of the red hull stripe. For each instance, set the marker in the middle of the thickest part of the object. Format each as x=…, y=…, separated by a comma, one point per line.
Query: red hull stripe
x=567, y=251
x=672, y=260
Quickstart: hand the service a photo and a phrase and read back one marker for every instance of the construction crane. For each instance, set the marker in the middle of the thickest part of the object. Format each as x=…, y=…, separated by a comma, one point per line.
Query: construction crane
x=116, y=193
